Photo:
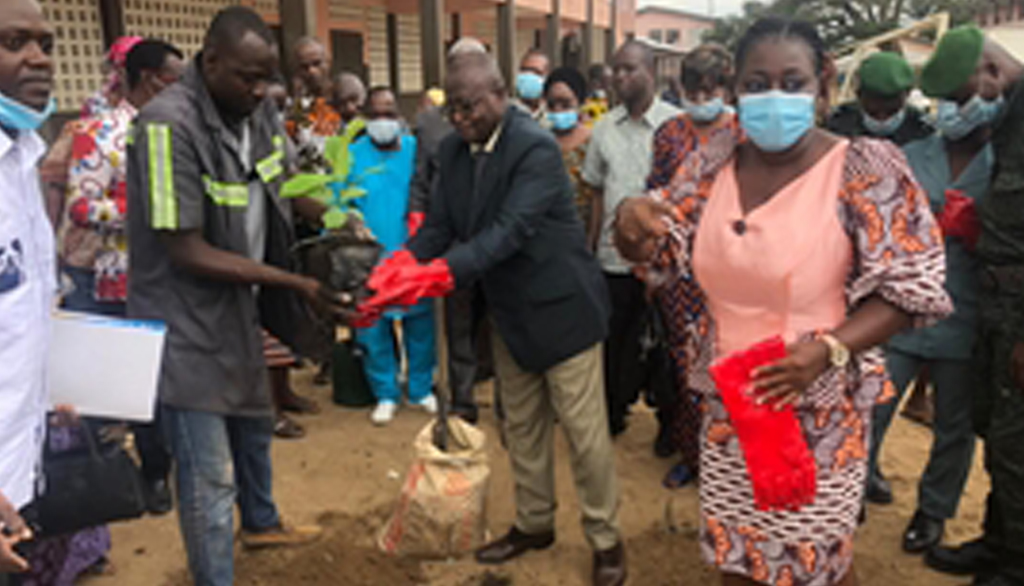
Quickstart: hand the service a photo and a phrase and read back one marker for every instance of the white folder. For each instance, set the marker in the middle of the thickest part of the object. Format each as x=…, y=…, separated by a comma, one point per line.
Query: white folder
x=105, y=367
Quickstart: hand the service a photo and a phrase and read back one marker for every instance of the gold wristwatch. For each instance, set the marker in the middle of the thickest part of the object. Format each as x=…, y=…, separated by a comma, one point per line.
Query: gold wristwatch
x=838, y=353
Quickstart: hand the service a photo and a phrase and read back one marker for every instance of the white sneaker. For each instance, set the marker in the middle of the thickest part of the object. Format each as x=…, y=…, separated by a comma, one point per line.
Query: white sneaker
x=429, y=404
x=383, y=413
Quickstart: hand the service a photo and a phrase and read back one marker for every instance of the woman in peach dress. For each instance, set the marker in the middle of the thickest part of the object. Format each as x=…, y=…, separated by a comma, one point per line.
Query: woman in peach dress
x=707, y=89
x=783, y=229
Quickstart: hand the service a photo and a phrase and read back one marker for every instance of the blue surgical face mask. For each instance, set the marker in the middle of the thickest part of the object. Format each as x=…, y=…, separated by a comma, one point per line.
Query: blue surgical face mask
x=955, y=121
x=564, y=121
x=18, y=116
x=887, y=127
x=383, y=131
x=704, y=111
x=600, y=94
x=776, y=120
x=529, y=85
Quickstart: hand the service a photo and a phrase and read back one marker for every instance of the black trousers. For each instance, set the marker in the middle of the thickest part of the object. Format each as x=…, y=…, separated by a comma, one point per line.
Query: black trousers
x=153, y=454
x=999, y=419
x=624, y=368
x=469, y=350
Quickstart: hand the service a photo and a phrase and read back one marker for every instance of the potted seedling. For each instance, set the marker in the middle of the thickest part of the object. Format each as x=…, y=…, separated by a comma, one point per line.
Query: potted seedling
x=344, y=253
x=342, y=256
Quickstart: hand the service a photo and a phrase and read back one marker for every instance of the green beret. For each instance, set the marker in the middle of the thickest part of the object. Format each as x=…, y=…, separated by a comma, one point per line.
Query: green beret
x=953, y=61
x=886, y=74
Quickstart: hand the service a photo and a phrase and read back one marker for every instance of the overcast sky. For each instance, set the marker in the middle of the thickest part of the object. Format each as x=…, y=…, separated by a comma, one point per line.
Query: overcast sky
x=708, y=7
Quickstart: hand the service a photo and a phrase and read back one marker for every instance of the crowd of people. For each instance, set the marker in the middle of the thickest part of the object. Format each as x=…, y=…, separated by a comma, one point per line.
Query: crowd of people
x=594, y=244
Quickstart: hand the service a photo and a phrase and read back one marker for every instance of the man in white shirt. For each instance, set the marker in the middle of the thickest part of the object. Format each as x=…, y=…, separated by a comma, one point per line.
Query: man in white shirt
x=27, y=271
x=617, y=164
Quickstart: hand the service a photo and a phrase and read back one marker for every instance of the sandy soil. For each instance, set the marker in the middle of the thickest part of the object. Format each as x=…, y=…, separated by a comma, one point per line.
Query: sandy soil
x=347, y=473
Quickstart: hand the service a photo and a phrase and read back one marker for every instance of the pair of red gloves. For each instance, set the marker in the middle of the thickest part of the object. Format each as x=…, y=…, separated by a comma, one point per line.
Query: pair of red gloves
x=959, y=219
x=402, y=281
x=782, y=469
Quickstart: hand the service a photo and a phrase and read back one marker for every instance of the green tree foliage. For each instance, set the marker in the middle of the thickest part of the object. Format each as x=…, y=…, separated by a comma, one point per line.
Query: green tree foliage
x=843, y=22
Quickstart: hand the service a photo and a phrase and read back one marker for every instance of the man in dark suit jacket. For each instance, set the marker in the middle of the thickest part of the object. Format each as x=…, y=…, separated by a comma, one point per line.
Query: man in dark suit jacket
x=502, y=217
x=465, y=329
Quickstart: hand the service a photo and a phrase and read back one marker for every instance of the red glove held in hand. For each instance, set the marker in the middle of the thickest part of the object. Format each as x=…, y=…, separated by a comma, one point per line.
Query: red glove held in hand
x=959, y=219
x=401, y=281
x=414, y=222
x=781, y=468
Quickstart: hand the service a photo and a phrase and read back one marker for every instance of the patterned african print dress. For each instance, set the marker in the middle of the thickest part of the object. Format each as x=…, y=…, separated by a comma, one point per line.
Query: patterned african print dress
x=582, y=194
x=673, y=142
x=897, y=255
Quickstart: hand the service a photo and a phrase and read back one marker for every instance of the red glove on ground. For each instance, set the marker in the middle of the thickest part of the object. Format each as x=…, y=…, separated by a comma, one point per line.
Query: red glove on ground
x=414, y=222
x=781, y=468
x=401, y=281
x=959, y=218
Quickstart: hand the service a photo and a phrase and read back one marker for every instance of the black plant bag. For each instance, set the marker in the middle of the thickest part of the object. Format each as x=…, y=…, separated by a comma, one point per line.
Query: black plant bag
x=87, y=487
x=342, y=259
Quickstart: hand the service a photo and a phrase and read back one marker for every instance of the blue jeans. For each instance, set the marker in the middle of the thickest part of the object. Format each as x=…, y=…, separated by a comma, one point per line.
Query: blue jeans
x=381, y=363
x=220, y=460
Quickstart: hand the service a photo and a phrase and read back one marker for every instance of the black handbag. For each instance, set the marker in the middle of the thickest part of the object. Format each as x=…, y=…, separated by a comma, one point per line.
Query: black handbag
x=83, y=488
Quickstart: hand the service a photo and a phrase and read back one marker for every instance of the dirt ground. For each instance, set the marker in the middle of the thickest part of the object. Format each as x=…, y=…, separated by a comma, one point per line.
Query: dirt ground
x=347, y=473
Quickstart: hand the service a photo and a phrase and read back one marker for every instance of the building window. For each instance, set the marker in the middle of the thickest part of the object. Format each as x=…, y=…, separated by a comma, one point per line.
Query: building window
x=672, y=36
x=655, y=35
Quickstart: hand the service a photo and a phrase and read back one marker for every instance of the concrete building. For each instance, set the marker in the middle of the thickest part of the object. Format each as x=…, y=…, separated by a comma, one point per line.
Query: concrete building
x=671, y=27
x=400, y=43
x=1004, y=22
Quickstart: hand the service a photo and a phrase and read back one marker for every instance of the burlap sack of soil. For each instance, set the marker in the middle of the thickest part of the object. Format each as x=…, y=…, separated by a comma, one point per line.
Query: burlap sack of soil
x=441, y=511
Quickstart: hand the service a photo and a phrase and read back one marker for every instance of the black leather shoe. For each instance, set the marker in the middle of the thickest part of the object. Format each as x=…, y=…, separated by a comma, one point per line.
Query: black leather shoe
x=514, y=544
x=610, y=566
x=923, y=533
x=158, y=497
x=973, y=557
x=878, y=491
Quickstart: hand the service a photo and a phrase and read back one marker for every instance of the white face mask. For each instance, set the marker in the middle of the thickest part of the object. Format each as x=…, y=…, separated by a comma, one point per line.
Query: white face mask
x=383, y=131
x=956, y=121
x=886, y=127
x=704, y=111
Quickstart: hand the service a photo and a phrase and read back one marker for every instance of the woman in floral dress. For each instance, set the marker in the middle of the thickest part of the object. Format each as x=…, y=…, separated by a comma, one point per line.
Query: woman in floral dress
x=564, y=92
x=707, y=90
x=784, y=229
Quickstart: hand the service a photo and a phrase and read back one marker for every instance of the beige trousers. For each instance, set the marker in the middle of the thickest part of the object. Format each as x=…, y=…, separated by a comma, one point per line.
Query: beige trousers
x=572, y=391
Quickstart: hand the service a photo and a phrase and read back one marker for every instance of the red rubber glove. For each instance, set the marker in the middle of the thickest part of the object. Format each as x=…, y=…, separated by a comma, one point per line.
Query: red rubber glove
x=959, y=218
x=414, y=222
x=781, y=467
x=401, y=281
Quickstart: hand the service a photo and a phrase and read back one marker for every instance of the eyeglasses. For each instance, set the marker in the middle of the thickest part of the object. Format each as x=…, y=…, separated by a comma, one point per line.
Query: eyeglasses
x=16, y=41
x=462, y=107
